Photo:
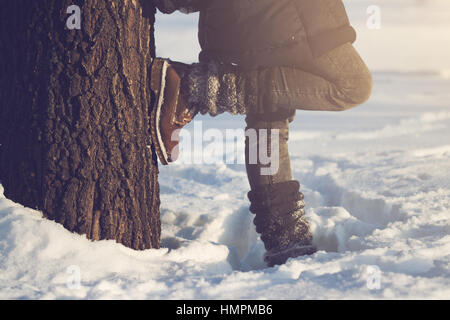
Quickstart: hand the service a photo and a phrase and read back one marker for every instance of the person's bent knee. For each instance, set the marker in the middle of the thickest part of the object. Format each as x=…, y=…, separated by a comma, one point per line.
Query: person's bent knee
x=357, y=93
x=364, y=90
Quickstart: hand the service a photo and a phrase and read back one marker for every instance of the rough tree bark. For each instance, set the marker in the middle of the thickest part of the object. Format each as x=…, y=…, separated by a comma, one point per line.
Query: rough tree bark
x=74, y=124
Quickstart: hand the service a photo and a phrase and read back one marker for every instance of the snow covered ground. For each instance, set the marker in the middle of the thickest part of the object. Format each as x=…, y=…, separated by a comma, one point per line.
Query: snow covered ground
x=377, y=186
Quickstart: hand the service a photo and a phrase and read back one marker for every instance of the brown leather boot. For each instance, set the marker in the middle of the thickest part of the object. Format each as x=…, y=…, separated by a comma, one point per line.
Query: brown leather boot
x=170, y=112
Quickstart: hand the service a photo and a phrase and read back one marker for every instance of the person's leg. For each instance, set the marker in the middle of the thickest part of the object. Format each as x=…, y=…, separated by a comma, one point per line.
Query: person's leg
x=275, y=197
x=336, y=81
x=267, y=130
x=183, y=90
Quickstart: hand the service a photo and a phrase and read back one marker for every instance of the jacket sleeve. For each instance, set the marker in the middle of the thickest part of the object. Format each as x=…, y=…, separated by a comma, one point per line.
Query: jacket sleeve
x=185, y=6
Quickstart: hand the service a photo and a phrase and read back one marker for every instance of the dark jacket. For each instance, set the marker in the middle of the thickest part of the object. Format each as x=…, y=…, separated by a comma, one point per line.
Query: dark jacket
x=253, y=33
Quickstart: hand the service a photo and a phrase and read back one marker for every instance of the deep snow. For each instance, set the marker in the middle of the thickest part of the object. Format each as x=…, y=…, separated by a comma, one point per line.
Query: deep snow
x=376, y=181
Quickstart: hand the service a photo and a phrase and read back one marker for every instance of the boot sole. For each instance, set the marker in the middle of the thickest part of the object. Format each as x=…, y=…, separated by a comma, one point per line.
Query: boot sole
x=281, y=257
x=157, y=85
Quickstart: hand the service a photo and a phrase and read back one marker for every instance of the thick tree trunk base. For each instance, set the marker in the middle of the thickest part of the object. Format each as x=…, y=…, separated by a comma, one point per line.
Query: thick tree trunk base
x=74, y=117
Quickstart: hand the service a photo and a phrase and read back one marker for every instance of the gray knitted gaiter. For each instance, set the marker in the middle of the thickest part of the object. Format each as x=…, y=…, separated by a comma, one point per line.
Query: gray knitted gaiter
x=212, y=88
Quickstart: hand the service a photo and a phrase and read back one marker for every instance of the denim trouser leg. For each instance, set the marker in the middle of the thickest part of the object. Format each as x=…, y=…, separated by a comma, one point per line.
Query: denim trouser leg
x=337, y=81
x=280, y=161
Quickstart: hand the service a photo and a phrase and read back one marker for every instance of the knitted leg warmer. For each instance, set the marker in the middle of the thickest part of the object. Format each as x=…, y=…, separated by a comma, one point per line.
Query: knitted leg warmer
x=213, y=88
x=280, y=219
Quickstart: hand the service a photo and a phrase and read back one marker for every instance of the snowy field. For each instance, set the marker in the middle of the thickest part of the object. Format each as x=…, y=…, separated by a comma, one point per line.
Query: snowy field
x=377, y=185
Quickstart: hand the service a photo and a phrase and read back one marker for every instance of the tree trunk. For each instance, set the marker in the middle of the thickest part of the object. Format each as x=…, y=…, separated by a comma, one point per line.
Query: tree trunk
x=74, y=116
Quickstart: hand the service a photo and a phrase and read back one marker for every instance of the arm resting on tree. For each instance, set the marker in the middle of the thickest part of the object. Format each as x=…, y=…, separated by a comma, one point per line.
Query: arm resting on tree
x=185, y=6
